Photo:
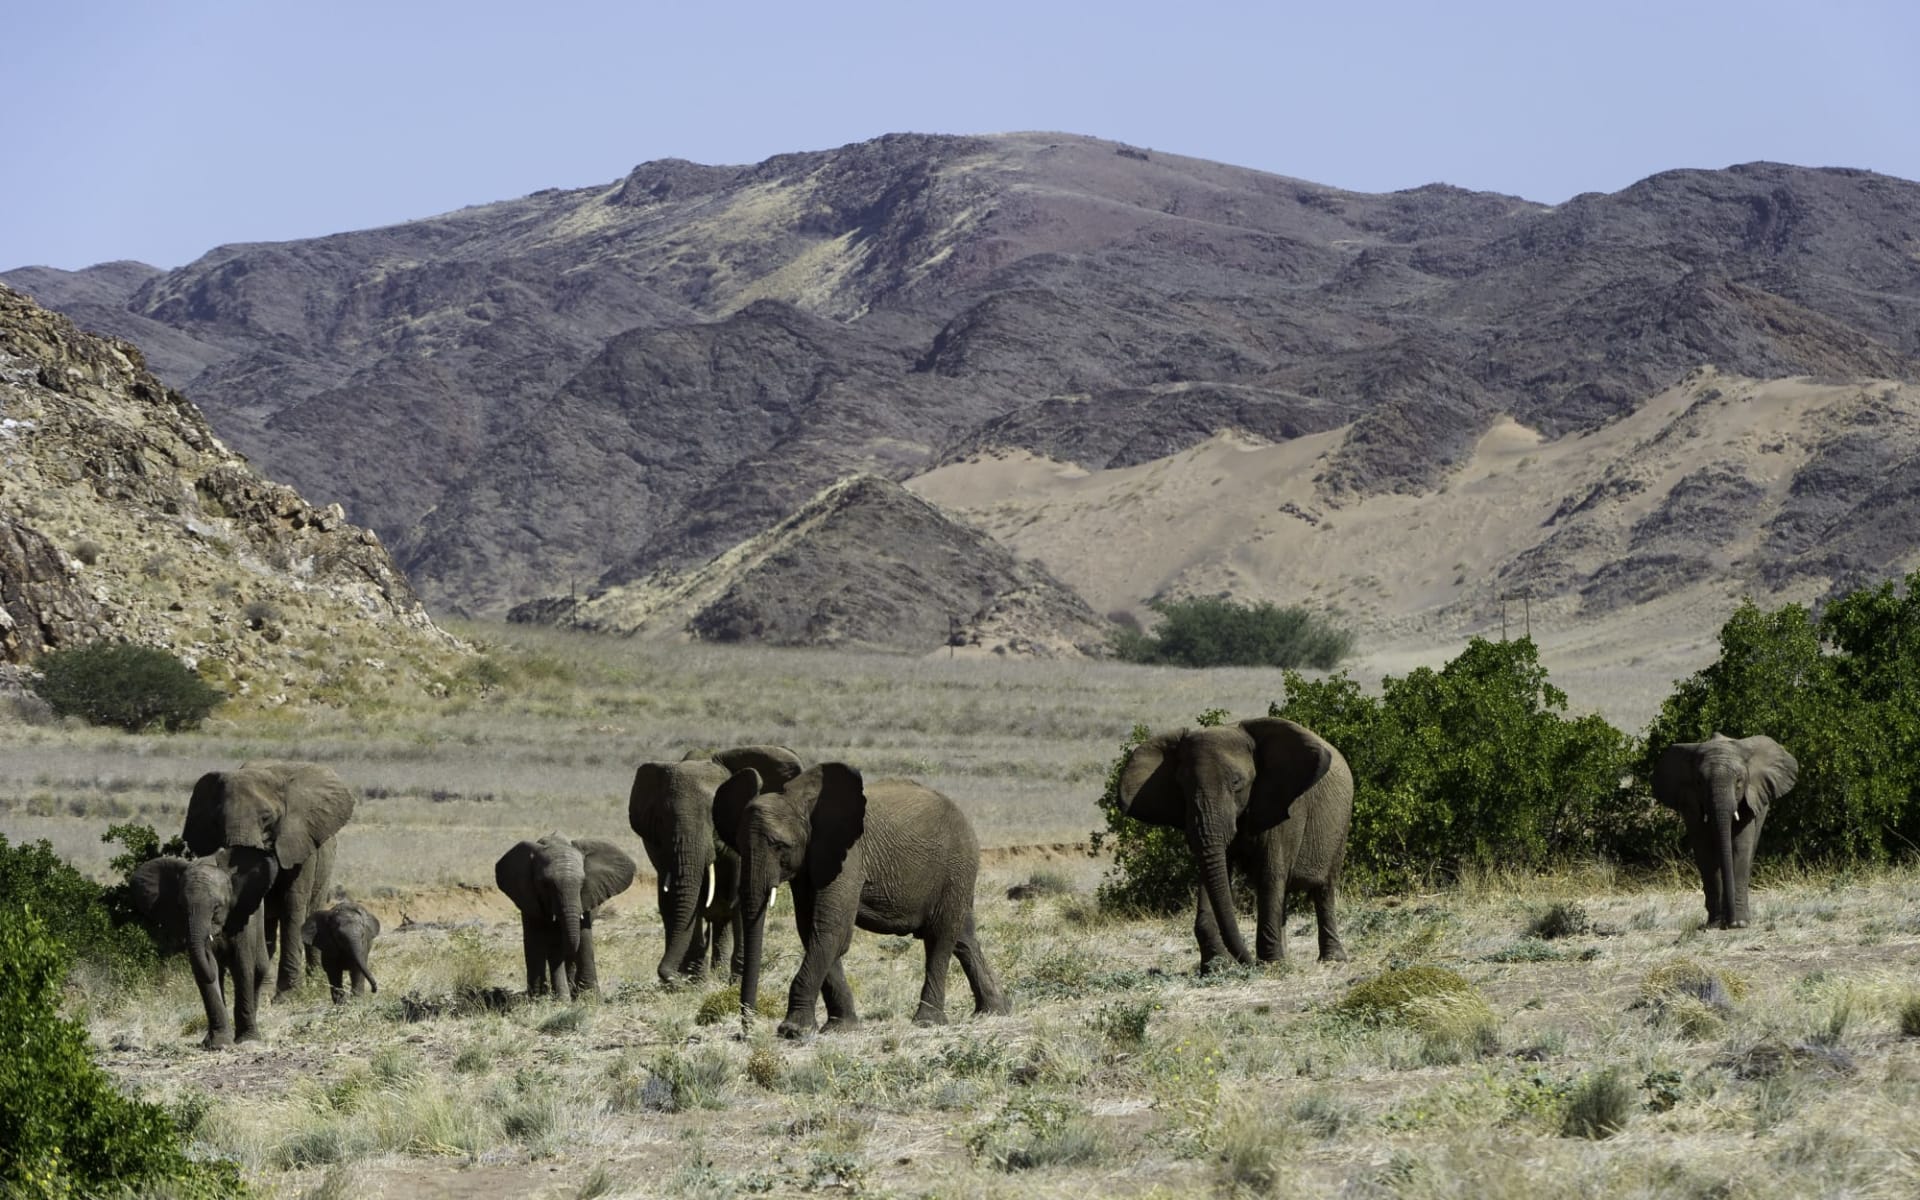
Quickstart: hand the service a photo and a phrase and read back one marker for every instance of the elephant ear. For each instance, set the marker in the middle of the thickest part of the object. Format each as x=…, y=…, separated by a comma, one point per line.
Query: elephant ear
x=1289, y=760
x=206, y=825
x=513, y=874
x=157, y=888
x=647, y=798
x=777, y=766
x=318, y=802
x=1149, y=789
x=1676, y=775
x=730, y=802
x=1771, y=772
x=609, y=871
x=835, y=800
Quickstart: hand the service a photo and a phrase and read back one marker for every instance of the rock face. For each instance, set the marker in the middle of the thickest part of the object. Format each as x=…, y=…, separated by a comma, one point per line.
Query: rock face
x=863, y=565
x=122, y=516
x=595, y=384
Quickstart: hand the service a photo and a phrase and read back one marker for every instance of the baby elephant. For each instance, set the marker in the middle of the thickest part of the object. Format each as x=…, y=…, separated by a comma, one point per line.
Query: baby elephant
x=557, y=883
x=344, y=936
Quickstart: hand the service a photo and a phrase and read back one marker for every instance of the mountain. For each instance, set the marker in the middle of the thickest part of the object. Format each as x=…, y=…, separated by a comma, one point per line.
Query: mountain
x=863, y=565
x=123, y=517
x=578, y=389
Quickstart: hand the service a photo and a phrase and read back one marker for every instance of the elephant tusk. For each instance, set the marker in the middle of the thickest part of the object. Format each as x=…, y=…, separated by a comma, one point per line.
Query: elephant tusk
x=666, y=883
x=710, y=878
x=773, y=893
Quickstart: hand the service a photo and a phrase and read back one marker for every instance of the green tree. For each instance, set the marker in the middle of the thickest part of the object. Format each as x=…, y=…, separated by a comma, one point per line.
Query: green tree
x=1214, y=631
x=126, y=686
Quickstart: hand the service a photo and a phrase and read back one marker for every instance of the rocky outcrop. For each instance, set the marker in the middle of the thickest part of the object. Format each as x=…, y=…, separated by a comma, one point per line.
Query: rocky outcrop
x=865, y=564
x=122, y=516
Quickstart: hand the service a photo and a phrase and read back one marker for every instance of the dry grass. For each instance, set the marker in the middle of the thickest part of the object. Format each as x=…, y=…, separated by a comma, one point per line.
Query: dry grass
x=1121, y=1072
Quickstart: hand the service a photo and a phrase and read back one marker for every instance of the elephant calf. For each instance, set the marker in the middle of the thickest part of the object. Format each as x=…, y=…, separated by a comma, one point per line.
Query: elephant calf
x=889, y=857
x=557, y=883
x=343, y=936
x=212, y=907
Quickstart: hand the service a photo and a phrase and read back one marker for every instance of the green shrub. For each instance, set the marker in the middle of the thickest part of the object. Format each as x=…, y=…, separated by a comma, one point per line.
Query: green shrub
x=126, y=686
x=1036, y=1131
x=64, y=1127
x=1471, y=764
x=73, y=909
x=1217, y=632
x=1392, y=996
x=1599, y=1105
x=724, y=1005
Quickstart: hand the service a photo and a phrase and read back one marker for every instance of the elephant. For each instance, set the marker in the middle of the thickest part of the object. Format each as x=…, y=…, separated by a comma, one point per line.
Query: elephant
x=1268, y=794
x=343, y=936
x=290, y=811
x=557, y=883
x=891, y=857
x=671, y=808
x=1722, y=788
x=213, y=908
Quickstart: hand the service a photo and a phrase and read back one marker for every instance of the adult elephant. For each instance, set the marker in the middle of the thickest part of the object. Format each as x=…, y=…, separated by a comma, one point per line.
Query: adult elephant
x=557, y=883
x=888, y=857
x=289, y=812
x=1722, y=789
x=212, y=907
x=1267, y=794
x=671, y=808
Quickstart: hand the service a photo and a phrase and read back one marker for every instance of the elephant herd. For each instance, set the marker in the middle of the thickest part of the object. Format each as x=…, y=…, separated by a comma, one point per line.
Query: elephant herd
x=724, y=830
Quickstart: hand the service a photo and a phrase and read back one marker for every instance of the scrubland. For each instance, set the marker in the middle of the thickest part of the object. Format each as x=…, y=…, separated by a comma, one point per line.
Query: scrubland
x=1605, y=1044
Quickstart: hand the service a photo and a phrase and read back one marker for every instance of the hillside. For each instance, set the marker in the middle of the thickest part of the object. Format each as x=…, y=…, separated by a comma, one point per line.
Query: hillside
x=578, y=388
x=122, y=516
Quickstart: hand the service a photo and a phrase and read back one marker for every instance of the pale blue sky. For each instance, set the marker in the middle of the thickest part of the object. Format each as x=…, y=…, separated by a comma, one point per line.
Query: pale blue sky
x=156, y=130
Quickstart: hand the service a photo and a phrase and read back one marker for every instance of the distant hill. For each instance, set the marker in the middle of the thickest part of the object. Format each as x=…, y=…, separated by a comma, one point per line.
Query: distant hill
x=123, y=517
x=577, y=389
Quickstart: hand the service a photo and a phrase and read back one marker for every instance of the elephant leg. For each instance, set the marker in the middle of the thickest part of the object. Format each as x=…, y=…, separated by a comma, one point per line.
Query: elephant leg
x=1327, y=921
x=284, y=923
x=1744, y=844
x=1707, y=858
x=336, y=980
x=534, y=946
x=248, y=959
x=737, y=960
x=820, y=954
x=207, y=969
x=839, y=998
x=1270, y=936
x=932, y=1009
x=586, y=975
x=987, y=996
x=559, y=972
x=1206, y=931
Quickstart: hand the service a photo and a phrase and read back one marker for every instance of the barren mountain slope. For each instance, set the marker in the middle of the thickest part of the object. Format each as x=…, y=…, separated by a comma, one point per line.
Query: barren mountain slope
x=863, y=565
x=1634, y=540
x=123, y=517
x=938, y=297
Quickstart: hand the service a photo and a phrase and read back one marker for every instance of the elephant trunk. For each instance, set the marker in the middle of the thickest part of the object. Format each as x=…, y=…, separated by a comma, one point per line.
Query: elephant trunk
x=682, y=914
x=206, y=974
x=1724, y=800
x=753, y=905
x=359, y=946
x=1210, y=852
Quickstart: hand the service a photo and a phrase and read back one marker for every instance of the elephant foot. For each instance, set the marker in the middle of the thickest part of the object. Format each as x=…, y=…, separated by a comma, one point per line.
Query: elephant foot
x=795, y=1031
x=836, y=1024
x=999, y=1006
x=251, y=1035
x=217, y=1040
x=928, y=1015
x=1736, y=924
x=1333, y=954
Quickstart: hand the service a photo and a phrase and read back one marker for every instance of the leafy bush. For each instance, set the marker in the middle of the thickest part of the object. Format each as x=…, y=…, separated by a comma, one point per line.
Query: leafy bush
x=1392, y=995
x=724, y=1005
x=1217, y=632
x=1472, y=763
x=71, y=908
x=126, y=686
x=64, y=1127
x=1842, y=694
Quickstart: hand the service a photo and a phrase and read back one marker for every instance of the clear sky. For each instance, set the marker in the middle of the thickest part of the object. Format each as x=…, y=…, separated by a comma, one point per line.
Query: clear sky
x=157, y=129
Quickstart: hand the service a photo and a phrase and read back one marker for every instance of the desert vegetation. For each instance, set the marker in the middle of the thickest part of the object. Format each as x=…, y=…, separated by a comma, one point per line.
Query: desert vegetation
x=1217, y=631
x=1547, y=1023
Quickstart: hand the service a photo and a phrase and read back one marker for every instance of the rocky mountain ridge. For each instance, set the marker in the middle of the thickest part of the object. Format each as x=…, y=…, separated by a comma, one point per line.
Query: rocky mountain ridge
x=123, y=517
x=580, y=388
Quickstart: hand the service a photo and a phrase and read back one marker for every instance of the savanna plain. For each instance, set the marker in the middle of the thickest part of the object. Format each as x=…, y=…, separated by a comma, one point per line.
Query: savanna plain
x=1606, y=1044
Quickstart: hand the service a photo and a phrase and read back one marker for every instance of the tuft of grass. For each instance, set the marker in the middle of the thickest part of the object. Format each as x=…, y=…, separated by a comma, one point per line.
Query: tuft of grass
x=1910, y=1015
x=567, y=1020
x=1037, y=1131
x=1253, y=1152
x=724, y=1005
x=1563, y=918
x=1123, y=1023
x=1599, y=1105
x=764, y=1066
x=1685, y=976
x=1388, y=997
